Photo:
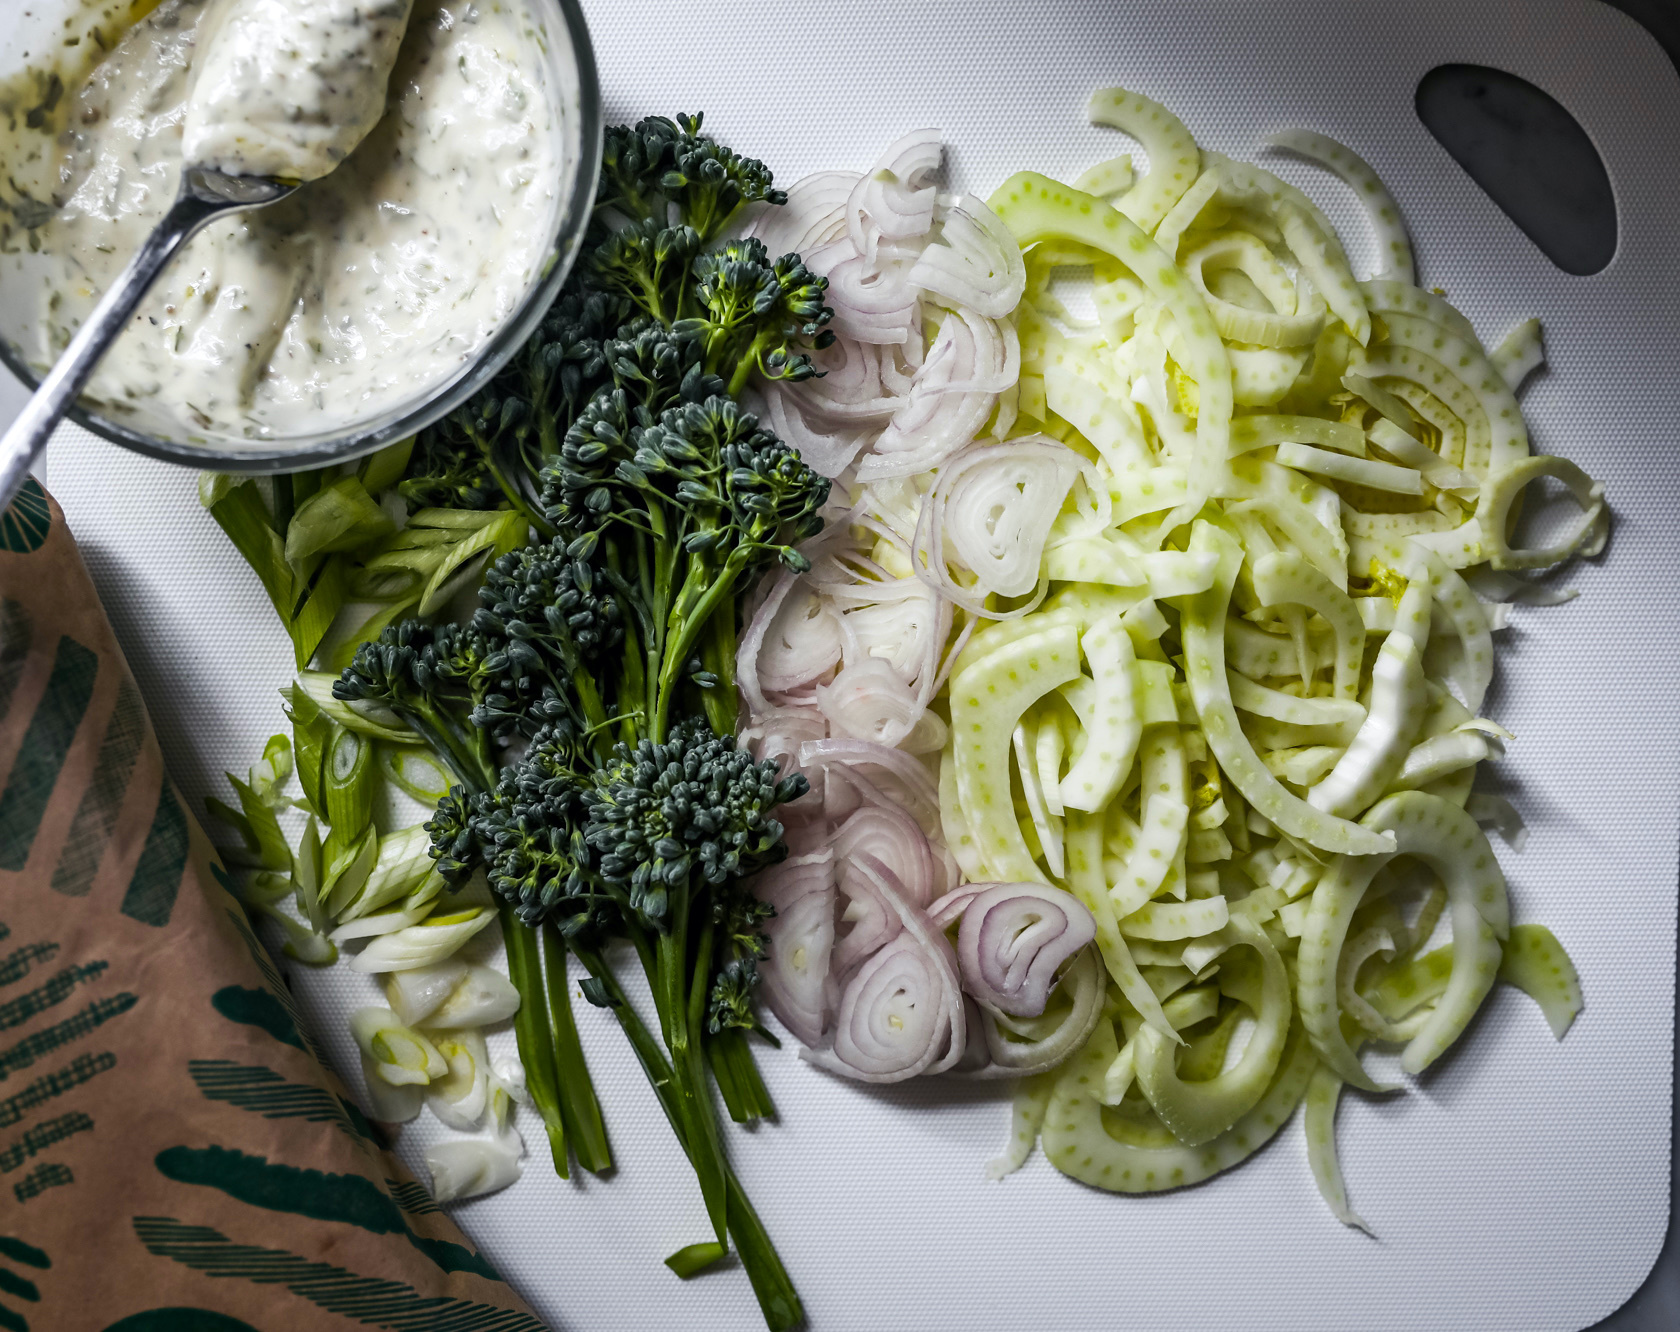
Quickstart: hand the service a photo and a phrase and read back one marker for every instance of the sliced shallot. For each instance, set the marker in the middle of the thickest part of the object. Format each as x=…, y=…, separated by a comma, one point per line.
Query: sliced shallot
x=1013, y=940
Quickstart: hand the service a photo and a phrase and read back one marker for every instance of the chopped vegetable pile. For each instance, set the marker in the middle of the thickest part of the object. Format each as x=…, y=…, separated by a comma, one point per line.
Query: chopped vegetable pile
x=1188, y=627
x=1036, y=638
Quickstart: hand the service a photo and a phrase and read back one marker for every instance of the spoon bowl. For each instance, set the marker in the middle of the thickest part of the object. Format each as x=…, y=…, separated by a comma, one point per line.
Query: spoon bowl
x=558, y=34
x=205, y=195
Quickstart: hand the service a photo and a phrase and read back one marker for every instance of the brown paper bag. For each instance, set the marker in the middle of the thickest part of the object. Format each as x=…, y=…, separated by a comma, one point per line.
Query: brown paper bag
x=174, y=1155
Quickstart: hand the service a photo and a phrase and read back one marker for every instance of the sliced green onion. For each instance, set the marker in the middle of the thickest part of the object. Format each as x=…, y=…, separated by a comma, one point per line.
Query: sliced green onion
x=415, y=772
x=469, y=1167
x=422, y=945
x=482, y=998
x=401, y=1056
x=416, y=992
x=403, y=861
x=346, y=873
x=372, y=720
x=694, y=1259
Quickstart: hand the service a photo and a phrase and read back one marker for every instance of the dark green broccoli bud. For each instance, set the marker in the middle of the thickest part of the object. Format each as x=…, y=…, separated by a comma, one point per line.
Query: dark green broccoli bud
x=459, y=660
x=454, y=846
x=665, y=818
x=738, y=916
x=730, y=1003
x=548, y=618
x=539, y=601
x=697, y=674
x=661, y=162
x=657, y=369
x=712, y=457
x=419, y=670
x=652, y=372
x=531, y=829
x=383, y=671
x=709, y=182
x=443, y=475
x=484, y=452
x=755, y=314
x=432, y=678
x=578, y=488
x=596, y=993
x=647, y=262
x=553, y=771
x=775, y=498
x=573, y=340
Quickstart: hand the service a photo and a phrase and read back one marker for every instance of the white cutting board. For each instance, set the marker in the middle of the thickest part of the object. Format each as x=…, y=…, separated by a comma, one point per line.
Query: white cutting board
x=1524, y=1185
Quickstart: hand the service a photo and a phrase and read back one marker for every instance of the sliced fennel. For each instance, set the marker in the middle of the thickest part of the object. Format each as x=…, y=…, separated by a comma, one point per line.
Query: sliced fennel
x=1226, y=694
x=1321, y=680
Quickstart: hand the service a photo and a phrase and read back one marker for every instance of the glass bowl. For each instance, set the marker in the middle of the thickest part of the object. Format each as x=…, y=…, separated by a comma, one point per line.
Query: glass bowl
x=558, y=27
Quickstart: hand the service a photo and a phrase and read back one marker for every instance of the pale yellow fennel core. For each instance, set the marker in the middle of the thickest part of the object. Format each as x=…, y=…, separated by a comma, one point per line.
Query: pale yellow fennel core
x=288, y=88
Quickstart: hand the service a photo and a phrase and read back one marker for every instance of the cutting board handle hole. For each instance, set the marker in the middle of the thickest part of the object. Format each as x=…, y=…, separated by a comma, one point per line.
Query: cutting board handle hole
x=1530, y=156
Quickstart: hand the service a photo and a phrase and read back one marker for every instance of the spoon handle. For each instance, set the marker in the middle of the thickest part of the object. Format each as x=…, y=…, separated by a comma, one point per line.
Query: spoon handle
x=28, y=435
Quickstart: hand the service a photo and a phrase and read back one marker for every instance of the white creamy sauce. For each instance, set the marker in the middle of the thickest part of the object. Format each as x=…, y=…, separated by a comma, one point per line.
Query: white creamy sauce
x=366, y=288
x=289, y=89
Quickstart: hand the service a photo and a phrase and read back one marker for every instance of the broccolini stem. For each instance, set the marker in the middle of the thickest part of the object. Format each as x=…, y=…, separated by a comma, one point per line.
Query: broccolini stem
x=510, y=492
x=632, y=674
x=548, y=436
x=700, y=1088
x=722, y=701
x=738, y=1078
x=650, y=297
x=676, y=1006
x=589, y=699
x=700, y=984
x=536, y=1038
x=742, y=373
x=580, y=1111
x=469, y=757
x=724, y=1074
x=678, y=630
x=639, y=941
x=642, y=1041
x=777, y=1299
x=689, y=623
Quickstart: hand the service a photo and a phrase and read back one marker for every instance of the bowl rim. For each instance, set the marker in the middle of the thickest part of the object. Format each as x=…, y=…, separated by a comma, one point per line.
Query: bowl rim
x=486, y=363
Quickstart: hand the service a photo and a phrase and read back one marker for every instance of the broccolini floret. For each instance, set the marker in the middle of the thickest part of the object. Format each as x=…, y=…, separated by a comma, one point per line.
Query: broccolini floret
x=656, y=275
x=432, y=677
x=660, y=165
x=668, y=818
x=754, y=314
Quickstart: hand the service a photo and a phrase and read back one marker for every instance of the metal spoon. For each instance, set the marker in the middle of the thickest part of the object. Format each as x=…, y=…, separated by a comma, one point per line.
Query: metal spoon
x=205, y=195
